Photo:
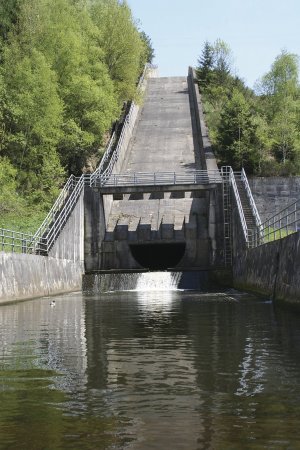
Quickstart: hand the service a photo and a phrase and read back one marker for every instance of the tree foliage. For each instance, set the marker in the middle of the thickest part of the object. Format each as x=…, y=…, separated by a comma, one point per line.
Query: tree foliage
x=66, y=68
x=124, y=50
x=259, y=129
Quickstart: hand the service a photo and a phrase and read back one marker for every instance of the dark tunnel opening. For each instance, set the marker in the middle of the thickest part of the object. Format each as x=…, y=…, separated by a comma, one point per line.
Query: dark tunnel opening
x=158, y=256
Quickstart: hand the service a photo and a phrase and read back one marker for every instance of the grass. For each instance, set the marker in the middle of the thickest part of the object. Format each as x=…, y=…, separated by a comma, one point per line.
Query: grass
x=272, y=234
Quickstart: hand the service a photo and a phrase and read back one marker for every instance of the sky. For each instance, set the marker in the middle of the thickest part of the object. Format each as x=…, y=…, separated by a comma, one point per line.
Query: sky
x=255, y=30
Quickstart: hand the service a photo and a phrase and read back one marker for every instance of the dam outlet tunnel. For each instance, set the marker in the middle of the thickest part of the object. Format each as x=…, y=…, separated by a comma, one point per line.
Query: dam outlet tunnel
x=158, y=256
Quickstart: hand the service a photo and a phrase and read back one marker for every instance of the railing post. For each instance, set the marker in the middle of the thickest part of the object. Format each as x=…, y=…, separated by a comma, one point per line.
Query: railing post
x=23, y=244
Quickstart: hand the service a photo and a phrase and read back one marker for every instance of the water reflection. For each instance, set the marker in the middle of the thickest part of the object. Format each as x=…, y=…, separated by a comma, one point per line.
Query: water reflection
x=144, y=370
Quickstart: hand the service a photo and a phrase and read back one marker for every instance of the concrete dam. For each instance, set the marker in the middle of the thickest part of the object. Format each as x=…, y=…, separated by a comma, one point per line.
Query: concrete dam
x=159, y=224
x=157, y=201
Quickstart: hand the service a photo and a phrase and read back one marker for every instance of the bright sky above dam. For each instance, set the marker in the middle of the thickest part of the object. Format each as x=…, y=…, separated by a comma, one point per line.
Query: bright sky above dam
x=255, y=30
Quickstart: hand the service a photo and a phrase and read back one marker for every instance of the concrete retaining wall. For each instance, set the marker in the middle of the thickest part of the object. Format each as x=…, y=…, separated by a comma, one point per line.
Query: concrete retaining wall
x=272, y=269
x=70, y=242
x=272, y=194
x=26, y=276
x=208, y=160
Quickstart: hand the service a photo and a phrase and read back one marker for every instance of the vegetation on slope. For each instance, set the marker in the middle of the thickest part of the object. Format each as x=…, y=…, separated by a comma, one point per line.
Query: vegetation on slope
x=256, y=129
x=66, y=69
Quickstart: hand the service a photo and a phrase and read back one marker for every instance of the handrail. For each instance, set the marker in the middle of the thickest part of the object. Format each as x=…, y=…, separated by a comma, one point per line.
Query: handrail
x=64, y=214
x=126, y=129
x=251, y=199
x=231, y=179
x=40, y=240
x=56, y=206
x=159, y=178
x=105, y=158
x=280, y=225
x=15, y=241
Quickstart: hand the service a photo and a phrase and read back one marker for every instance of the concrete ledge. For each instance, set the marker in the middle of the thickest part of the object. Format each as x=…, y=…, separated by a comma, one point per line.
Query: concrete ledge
x=25, y=276
x=156, y=188
x=207, y=156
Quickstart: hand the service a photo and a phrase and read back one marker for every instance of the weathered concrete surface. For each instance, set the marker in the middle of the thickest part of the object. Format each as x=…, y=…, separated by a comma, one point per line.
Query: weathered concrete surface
x=272, y=269
x=207, y=157
x=70, y=242
x=164, y=139
x=165, y=220
x=272, y=194
x=167, y=137
x=25, y=276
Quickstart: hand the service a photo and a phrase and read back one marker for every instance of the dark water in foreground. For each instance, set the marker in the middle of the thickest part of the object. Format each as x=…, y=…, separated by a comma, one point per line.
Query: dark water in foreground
x=149, y=370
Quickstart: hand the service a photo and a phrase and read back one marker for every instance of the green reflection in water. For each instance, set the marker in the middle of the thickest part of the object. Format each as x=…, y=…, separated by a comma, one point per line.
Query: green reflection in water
x=35, y=415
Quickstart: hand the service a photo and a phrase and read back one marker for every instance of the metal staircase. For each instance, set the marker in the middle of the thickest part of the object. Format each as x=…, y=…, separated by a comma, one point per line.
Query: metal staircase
x=248, y=212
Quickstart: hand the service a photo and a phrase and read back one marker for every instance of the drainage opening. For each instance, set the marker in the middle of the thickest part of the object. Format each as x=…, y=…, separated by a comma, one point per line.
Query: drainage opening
x=158, y=256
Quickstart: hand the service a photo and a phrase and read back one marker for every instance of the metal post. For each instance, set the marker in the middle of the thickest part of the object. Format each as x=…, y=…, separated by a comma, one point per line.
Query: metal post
x=23, y=243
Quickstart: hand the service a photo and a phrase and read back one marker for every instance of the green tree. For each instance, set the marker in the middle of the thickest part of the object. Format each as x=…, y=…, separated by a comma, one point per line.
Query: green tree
x=237, y=141
x=222, y=61
x=9, y=11
x=280, y=94
x=9, y=199
x=66, y=68
x=149, y=52
x=205, y=64
x=69, y=40
x=32, y=116
x=124, y=50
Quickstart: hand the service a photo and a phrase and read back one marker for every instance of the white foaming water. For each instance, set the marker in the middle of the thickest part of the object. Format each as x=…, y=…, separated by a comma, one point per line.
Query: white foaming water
x=158, y=281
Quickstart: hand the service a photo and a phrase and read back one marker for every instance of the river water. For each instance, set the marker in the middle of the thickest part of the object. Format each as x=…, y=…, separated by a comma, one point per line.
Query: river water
x=153, y=368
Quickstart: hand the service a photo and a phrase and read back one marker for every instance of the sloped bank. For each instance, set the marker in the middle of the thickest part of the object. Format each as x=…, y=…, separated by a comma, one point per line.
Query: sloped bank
x=272, y=269
x=28, y=276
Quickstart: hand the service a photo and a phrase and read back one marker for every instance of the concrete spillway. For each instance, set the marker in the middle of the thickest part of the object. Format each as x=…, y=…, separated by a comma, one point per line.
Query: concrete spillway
x=174, y=225
x=164, y=138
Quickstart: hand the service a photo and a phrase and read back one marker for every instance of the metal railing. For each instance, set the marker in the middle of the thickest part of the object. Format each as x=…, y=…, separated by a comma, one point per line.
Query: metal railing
x=230, y=178
x=57, y=206
x=125, y=135
x=250, y=197
x=227, y=249
x=159, y=178
x=282, y=224
x=105, y=159
x=46, y=235
x=15, y=241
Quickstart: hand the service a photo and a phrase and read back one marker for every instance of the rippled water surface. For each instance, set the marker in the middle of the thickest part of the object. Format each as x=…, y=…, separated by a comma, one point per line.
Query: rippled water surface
x=149, y=370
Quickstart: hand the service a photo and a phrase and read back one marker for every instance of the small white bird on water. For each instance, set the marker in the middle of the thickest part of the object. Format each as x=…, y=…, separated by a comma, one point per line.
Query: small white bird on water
x=52, y=303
